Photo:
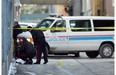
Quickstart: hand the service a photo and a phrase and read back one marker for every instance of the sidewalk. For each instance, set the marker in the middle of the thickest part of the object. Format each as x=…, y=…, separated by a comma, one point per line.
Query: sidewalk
x=66, y=66
x=53, y=68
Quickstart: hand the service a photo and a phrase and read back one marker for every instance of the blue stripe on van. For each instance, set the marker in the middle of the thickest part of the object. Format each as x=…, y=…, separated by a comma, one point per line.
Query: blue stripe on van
x=92, y=38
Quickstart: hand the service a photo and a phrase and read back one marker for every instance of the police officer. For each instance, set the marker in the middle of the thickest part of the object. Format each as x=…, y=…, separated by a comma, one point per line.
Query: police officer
x=28, y=49
x=39, y=42
x=15, y=33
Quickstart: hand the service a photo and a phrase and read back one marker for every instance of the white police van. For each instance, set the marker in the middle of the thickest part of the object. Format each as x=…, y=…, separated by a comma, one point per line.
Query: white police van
x=72, y=34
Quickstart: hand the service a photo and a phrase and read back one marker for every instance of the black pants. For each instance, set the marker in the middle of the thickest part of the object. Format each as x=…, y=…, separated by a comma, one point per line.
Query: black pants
x=41, y=49
x=26, y=58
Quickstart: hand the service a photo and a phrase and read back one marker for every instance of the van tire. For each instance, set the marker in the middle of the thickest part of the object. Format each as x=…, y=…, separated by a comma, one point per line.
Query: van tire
x=77, y=54
x=106, y=50
x=92, y=54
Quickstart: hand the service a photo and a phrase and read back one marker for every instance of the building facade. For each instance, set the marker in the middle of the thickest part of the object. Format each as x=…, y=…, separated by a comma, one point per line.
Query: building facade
x=86, y=7
x=103, y=7
x=61, y=10
x=96, y=7
x=93, y=7
x=110, y=7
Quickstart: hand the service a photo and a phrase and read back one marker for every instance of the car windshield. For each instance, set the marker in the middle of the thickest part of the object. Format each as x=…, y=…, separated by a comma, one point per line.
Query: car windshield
x=45, y=24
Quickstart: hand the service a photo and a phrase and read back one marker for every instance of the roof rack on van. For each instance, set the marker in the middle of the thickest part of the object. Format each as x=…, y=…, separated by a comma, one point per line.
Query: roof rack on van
x=55, y=15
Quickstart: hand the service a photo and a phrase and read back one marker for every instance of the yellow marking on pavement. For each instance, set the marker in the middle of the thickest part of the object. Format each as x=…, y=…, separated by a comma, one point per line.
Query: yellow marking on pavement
x=60, y=63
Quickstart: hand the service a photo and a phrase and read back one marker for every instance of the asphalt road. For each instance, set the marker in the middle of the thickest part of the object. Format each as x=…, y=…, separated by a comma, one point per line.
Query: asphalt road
x=70, y=65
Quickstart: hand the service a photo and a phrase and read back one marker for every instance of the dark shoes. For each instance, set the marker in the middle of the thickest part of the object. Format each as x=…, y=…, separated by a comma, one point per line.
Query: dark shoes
x=36, y=63
x=45, y=62
x=28, y=62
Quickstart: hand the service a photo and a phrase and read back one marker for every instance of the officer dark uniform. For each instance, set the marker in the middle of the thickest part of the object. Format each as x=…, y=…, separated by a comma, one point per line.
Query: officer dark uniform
x=28, y=49
x=15, y=33
x=39, y=42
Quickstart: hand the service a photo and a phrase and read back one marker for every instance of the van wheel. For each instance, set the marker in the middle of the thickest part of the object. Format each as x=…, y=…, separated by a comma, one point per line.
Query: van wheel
x=77, y=54
x=106, y=50
x=92, y=54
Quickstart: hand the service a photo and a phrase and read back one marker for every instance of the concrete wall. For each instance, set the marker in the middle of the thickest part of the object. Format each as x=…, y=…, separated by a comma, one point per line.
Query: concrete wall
x=60, y=9
x=82, y=7
x=7, y=22
x=76, y=7
x=87, y=7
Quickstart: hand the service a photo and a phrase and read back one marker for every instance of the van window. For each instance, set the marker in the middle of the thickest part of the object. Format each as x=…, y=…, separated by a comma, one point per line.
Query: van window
x=59, y=26
x=103, y=25
x=45, y=23
x=80, y=25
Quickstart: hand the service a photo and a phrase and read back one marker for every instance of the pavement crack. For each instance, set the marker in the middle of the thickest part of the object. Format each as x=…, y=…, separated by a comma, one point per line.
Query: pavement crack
x=67, y=73
x=85, y=66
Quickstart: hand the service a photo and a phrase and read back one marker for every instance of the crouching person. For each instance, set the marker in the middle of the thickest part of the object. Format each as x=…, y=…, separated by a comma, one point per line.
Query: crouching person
x=27, y=51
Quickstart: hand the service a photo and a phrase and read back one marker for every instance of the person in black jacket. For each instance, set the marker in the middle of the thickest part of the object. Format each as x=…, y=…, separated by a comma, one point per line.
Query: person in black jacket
x=15, y=30
x=39, y=42
x=27, y=51
x=15, y=33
